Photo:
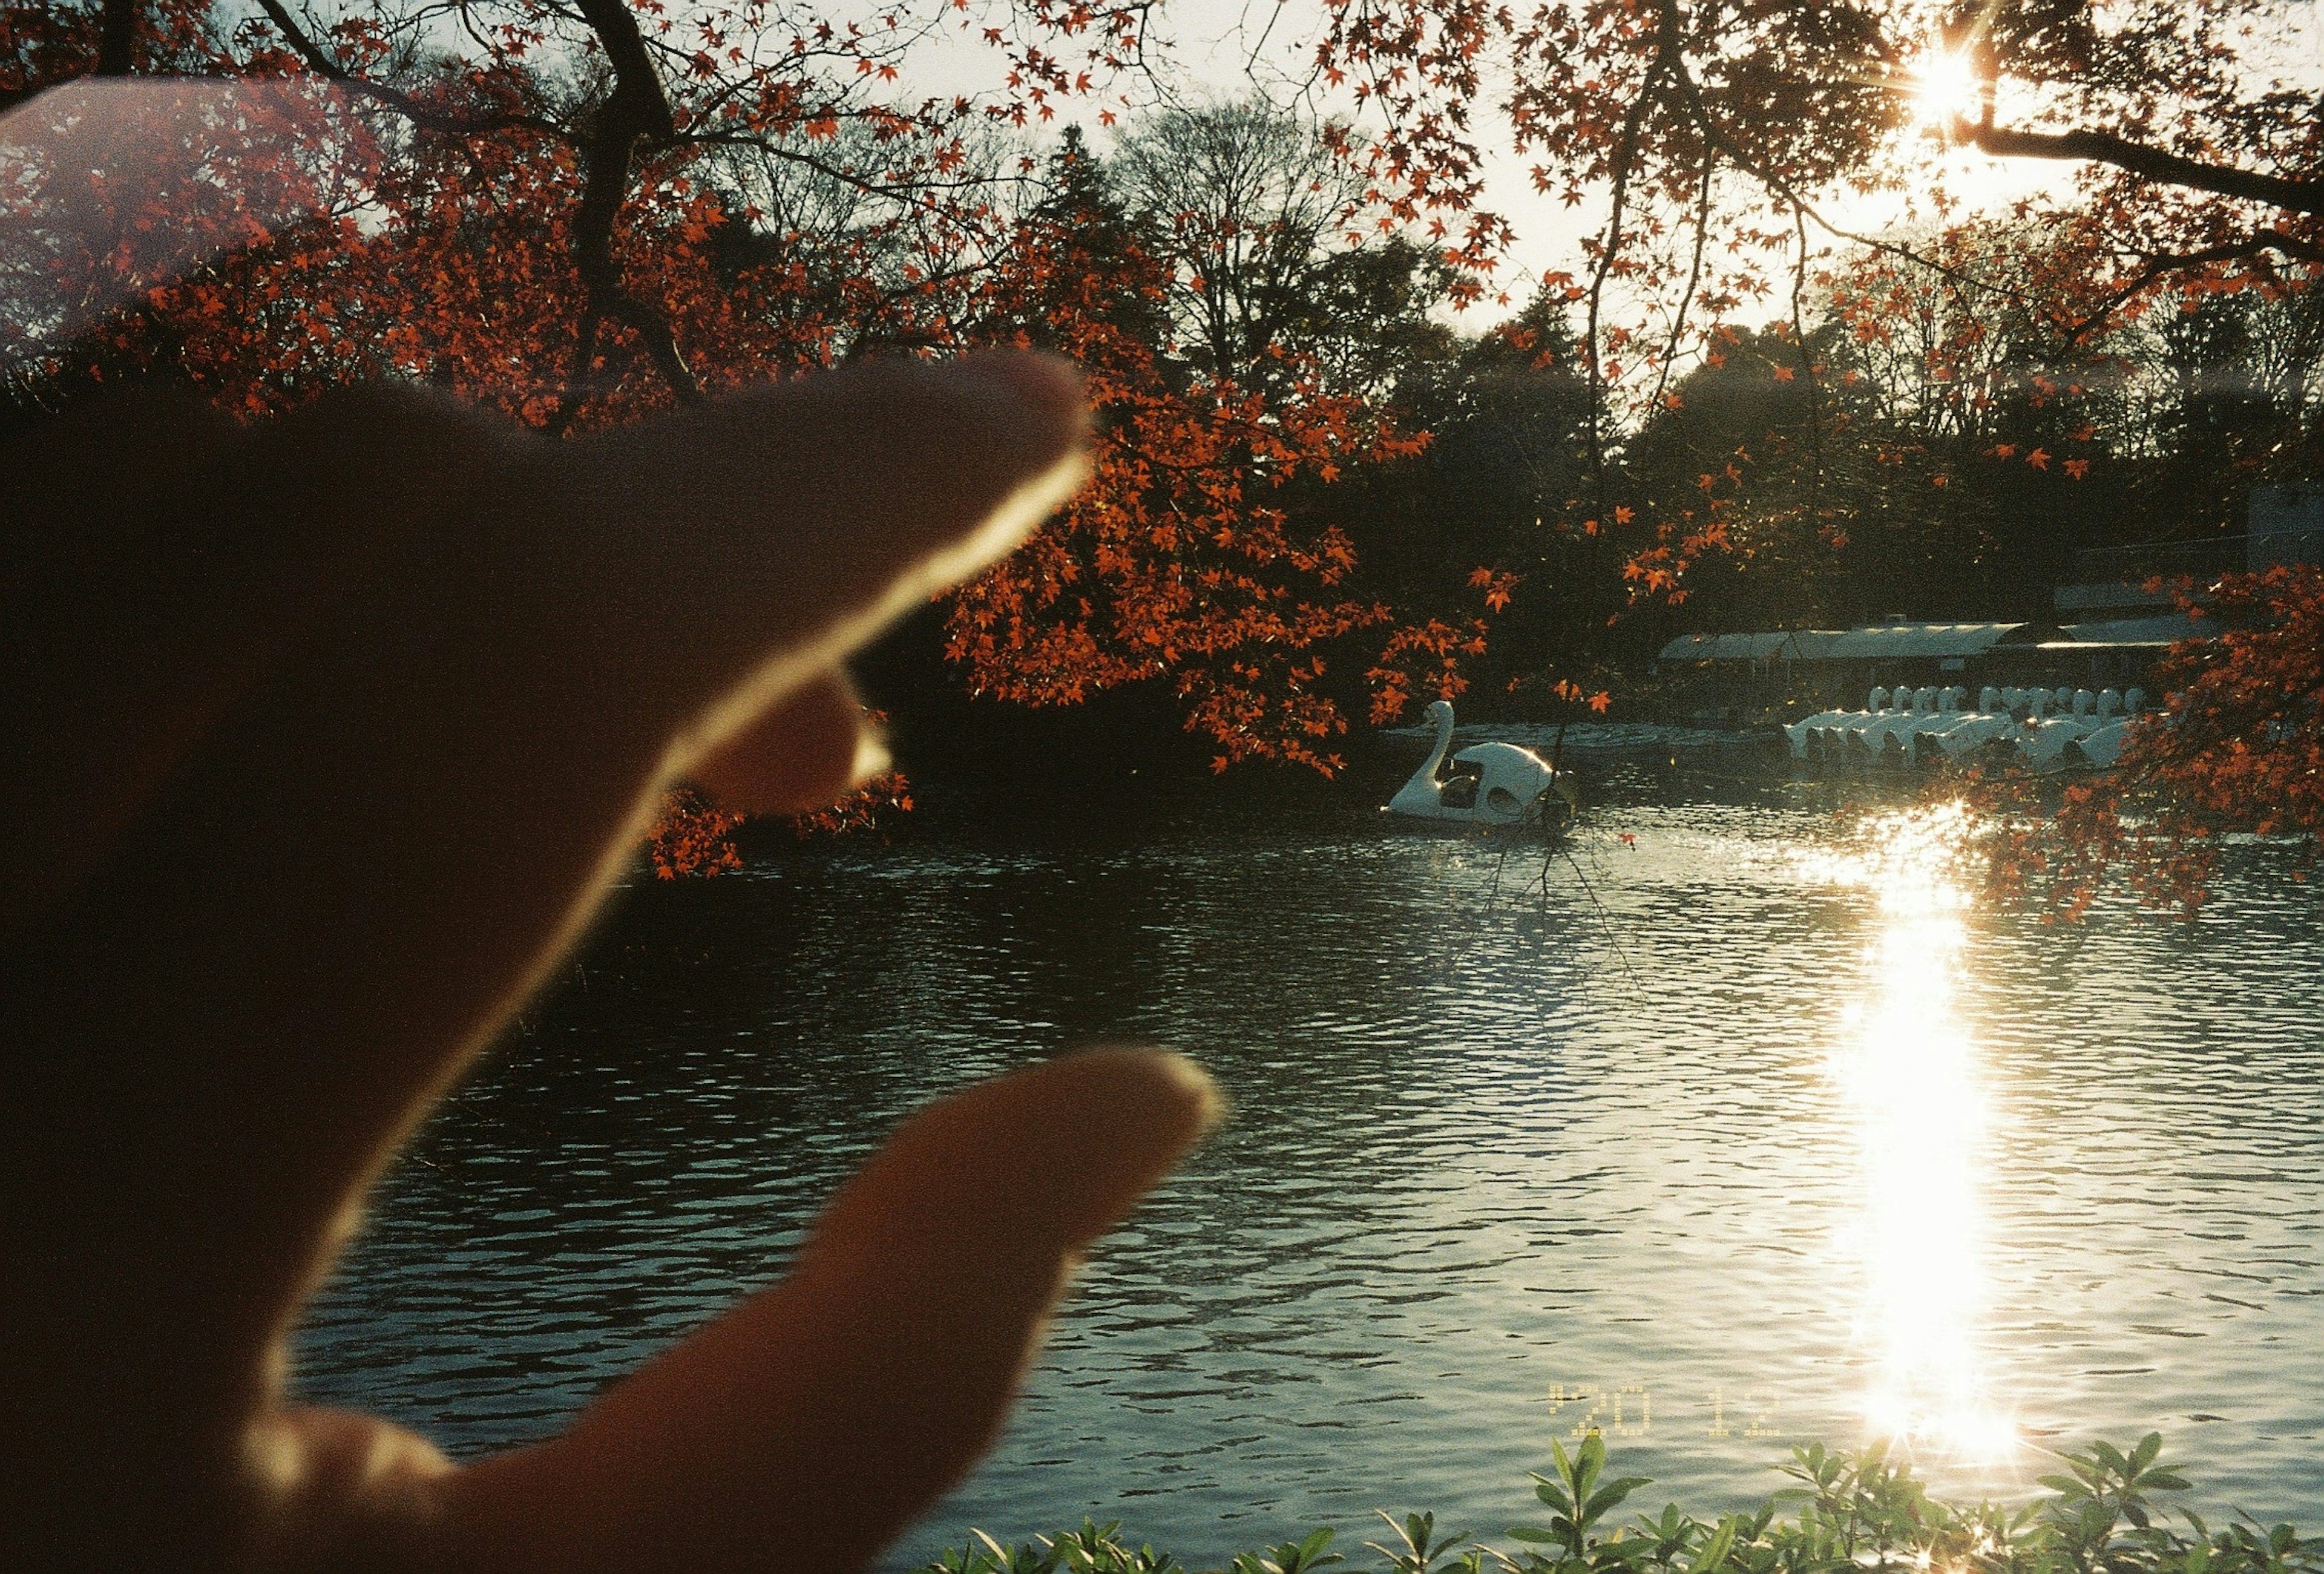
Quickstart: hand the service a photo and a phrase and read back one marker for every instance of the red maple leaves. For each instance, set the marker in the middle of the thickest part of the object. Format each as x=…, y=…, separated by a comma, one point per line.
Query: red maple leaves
x=2239, y=750
x=1187, y=559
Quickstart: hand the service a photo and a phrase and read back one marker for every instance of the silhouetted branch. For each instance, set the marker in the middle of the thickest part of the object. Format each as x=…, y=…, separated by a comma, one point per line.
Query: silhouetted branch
x=637, y=111
x=1808, y=374
x=1699, y=113
x=2138, y=158
x=2162, y=266
x=1693, y=278
x=404, y=103
x=1665, y=58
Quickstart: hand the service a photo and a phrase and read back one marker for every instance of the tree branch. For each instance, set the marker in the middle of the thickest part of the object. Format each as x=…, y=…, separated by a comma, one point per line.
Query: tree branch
x=404, y=103
x=897, y=191
x=637, y=111
x=116, y=54
x=2138, y=158
x=1665, y=58
x=638, y=107
x=1808, y=374
x=1716, y=135
x=1693, y=278
x=2162, y=266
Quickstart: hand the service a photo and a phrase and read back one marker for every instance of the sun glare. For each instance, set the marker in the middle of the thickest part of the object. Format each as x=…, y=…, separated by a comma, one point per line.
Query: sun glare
x=1909, y=1073
x=1945, y=87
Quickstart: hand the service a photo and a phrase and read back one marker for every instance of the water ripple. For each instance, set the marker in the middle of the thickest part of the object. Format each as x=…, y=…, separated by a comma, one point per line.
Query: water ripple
x=1512, y=1156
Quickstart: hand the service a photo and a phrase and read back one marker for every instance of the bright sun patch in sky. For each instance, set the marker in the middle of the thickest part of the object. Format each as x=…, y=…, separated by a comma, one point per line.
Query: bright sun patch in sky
x=1945, y=87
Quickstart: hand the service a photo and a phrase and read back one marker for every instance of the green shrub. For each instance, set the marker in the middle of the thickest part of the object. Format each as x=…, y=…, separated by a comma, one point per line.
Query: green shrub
x=1852, y=1512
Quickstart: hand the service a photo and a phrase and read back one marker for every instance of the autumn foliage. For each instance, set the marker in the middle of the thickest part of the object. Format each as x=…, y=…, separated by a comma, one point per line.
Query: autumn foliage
x=692, y=836
x=1313, y=499
x=583, y=216
x=1185, y=559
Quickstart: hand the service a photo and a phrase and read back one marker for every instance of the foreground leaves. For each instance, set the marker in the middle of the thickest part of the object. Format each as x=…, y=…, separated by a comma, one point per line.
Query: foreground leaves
x=1862, y=1510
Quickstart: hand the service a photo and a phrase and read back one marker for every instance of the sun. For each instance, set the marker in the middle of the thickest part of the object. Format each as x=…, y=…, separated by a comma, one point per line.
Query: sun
x=1946, y=88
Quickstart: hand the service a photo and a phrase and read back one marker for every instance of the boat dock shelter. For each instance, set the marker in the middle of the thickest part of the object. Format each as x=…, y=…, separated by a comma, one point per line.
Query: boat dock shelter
x=1746, y=673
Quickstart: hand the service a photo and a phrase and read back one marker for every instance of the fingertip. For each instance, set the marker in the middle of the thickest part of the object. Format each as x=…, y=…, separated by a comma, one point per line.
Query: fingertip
x=831, y=1409
x=1155, y=1105
x=1157, y=1092
x=1127, y=1115
x=1132, y=1114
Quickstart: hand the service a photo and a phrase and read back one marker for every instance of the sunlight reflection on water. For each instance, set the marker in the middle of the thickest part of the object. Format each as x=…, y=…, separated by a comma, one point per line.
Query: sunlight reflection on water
x=1909, y=1070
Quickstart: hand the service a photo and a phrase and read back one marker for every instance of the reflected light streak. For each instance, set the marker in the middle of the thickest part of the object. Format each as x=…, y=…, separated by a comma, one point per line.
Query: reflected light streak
x=1910, y=1076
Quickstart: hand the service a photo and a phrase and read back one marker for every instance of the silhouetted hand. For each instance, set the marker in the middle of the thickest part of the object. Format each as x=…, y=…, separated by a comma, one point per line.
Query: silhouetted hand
x=326, y=735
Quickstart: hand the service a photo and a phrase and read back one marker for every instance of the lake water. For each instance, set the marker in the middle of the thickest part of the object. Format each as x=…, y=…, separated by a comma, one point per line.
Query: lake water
x=1731, y=1130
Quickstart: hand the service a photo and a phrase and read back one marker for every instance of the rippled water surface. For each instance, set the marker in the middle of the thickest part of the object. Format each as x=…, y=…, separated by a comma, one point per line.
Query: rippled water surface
x=1732, y=1131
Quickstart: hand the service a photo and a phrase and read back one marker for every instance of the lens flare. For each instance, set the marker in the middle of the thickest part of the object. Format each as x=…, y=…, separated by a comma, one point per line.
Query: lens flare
x=1910, y=1076
x=1946, y=88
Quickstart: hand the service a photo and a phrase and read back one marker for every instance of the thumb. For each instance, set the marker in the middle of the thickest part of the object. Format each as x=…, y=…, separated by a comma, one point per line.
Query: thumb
x=809, y=1426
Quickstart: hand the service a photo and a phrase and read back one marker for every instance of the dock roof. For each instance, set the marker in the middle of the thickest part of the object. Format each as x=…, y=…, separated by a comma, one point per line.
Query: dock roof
x=1876, y=643
x=2168, y=628
x=1783, y=645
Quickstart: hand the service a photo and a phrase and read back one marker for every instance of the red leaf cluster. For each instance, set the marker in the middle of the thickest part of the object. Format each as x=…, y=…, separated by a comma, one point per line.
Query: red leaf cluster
x=1186, y=559
x=692, y=837
x=2238, y=747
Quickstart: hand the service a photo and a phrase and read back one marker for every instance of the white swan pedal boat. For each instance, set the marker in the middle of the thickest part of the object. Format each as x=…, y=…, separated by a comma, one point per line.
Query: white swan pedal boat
x=1493, y=786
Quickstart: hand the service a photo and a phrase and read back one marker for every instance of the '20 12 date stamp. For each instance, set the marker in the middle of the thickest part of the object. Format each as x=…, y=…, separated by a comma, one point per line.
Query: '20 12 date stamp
x=1628, y=1411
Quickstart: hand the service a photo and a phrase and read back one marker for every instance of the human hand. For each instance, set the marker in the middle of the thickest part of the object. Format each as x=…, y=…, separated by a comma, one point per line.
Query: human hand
x=331, y=731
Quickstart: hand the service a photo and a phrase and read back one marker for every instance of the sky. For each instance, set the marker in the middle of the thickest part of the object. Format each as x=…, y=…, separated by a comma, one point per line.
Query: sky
x=1225, y=48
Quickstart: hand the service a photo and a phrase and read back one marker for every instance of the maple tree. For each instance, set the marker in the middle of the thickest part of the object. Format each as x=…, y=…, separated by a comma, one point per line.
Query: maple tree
x=1729, y=148
x=1928, y=447
x=1719, y=133
x=579, y=216
x=583, y=213
x=573, y=215
x=1189, y=554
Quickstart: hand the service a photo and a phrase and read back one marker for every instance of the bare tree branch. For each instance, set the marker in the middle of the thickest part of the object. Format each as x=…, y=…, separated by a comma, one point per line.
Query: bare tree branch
x=2138, y=158
x=637, y=112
